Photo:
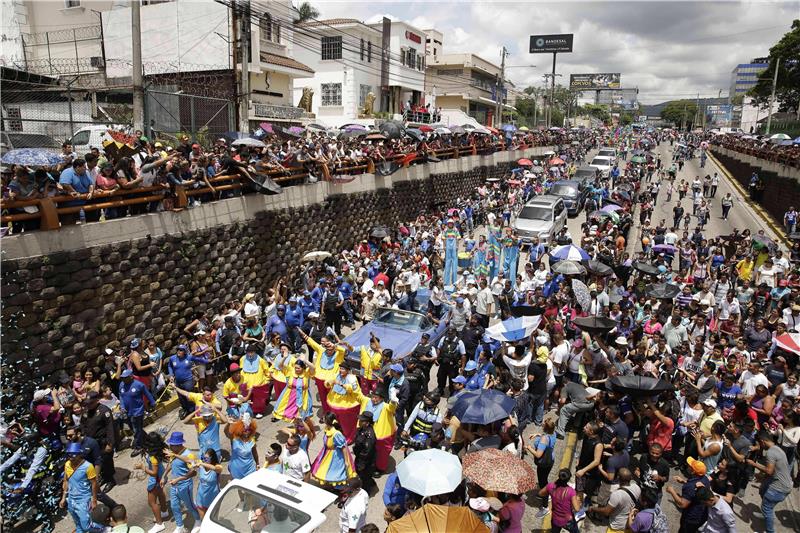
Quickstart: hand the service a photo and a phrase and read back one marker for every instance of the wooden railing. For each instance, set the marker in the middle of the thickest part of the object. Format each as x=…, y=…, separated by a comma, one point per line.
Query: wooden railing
x=51, y=211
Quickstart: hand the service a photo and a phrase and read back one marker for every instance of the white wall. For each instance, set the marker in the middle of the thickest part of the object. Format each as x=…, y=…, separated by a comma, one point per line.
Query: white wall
x=400, y=75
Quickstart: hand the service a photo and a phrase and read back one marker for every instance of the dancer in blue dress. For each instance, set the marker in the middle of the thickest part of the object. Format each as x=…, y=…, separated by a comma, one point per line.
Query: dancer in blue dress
x=244, y=455
x=154, y=467
x=208, y=471
x=510, y=256
x=479, y=265
x=493, y=254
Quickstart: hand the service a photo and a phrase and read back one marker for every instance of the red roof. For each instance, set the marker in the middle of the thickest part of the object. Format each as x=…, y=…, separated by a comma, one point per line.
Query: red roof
x=283, y=61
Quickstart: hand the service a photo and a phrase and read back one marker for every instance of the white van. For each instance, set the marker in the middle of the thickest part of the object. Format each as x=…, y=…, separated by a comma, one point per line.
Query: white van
x=603, y=164
x=89, y=137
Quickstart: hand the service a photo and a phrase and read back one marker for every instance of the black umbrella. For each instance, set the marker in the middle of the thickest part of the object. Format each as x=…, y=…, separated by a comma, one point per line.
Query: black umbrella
x=599, y=269
x=524, y=310
x=352, y=134
x=264, y=184
x=379, y=232
x=595, y=323
x=483, y=407
x=415, y=134
x=662, y=291
x=392, y=130
x=638, y=386
x=646, y=268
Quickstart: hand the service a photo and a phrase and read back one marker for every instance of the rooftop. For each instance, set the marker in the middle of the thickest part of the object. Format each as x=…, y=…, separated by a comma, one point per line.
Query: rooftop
x=283, y=61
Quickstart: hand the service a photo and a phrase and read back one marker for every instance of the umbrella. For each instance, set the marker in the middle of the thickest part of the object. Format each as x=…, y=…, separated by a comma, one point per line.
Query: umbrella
x=570, y=252
x=762, y=241
x=291, y=132
x=662, y=291
x=556, y=161
x=568, y=267
x=483, y=406
x=605, y=214
x=263, y=184
x=610, y=208
x=379, y=232
x=509, y=127
x=318, y=255
x=595, y=323
x=296, y=130
x=351, y=127
x=376, y=137
x=525, y=128
x=665, y=249
x=469, y=126
x=430, y=472
x=481, y=130
x=318, y=127
x=351, y=134
x=116, y=149
x=525, y=163
x=639, y=386
x=458, y=129
x=425, y=128
x=392, y=129
x=638, y=159
x=493, y=131
x=646, y=268
x=537, y=169
x=253, y=143
x=439, y=519
x=796, y=141
x=499, y=471
x=514, y=329
x=789, y=342
x=780, y=137
x=582, y=294
x=32, y=157
x=443, y=131
x=599, y=269
x=415, y=134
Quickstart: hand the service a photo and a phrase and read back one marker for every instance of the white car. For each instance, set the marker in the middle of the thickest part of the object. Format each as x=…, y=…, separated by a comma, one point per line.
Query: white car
x=603, y=163
x=608, y=152
x=268, y=502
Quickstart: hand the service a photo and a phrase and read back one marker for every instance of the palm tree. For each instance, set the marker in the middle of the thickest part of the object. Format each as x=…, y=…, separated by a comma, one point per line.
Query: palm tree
x=306, y=12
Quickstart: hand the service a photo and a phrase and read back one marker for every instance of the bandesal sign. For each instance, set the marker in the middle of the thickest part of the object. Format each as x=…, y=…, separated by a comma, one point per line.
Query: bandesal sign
x=561, y=42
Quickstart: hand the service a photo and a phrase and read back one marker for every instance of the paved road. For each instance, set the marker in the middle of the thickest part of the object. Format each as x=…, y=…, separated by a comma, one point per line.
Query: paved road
x=130, y=490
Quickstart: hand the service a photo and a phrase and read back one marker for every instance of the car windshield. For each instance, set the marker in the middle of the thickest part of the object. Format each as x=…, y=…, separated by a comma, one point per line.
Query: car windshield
x=564, y=190
x=600, y=162
x=266, y=515
x=606, y=152
x=536, y=212
x=585, y=174
x=402, y=319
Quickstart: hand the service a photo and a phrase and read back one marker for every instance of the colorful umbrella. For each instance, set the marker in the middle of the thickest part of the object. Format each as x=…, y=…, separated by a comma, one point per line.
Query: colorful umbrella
x=514, y=329
x=568, y=268
x=582, y=294
x=570, y=252
x=789, y=342
x=762, y=241
x=32, y=157
x=430, y=472
x=665, y=249
x=638, y=159
x=376, y=137
x=499, y=471
x=439, y=519
x=425, y=128
x=556, y=161
x=267, y=128
x=525, y=163
x=483, y=406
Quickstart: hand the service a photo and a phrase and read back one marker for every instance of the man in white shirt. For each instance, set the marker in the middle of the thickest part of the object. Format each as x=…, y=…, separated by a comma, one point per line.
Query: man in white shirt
x=382, y=295
x=354, y=510
x=559, y=355
x=414, y=280
x=295, y=460
x=728, y=306
x=251, y=308
x=484, y=304
x=751, y=378
x=670, y=237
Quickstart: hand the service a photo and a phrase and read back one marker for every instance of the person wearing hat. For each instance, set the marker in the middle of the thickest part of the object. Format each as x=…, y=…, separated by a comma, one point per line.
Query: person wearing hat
x=371, y=358
x=328, y=357
x=307, y=305
x=79, y=488
x=452, y=356
x=132, y=395
x=511, y=255
x=47, y=413
x=295, y=400
x=332, y=306
x=693, y=512
x=256, y=374
x=474, y=381
x=344, y=398
x=355, y=501
x=236, y=392
x=364, y=450
x=277, y=324
x=384, y=424
x=425, y=353
x=181, y=486
x=179, y=369
x=294, y=320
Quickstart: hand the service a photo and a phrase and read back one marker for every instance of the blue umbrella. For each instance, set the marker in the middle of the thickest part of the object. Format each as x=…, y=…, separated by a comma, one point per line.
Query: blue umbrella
x=570, y=252
x=514, y=329
x=483, y=406
x=32, y=157
x=509, y=127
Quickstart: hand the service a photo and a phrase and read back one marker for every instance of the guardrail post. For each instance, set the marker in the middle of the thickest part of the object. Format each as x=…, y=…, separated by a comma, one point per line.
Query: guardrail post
x=474, y=149
x=48, y=214
x=455, y=153
x=370, y=166
x=182, y=201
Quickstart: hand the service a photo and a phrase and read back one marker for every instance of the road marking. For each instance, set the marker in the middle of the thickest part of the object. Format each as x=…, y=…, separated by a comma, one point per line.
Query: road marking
x=566, y=462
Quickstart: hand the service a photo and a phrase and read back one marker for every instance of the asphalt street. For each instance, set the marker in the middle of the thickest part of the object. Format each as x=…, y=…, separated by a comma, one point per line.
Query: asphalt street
x=130, y=488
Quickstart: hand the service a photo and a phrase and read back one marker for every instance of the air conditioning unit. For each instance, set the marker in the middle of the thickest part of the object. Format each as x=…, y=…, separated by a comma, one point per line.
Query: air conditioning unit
x=97, y=62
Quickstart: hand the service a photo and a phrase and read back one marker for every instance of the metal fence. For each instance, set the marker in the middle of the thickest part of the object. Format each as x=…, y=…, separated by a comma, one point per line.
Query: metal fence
x=173, y=112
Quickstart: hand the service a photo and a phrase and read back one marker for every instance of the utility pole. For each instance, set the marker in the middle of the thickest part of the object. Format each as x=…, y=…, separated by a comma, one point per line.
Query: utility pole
x=695, y=121
x=499, y=88
x=552, y=92
x=244, y=84
x=136, y=44
x=772, y=95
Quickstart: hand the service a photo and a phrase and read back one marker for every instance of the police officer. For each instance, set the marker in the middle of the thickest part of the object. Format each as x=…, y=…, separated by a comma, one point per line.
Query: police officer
x=277, y=323
x=417, y=383
x=424, y=415
x=425, y=353
x=98, y=422
x=452, y=358
x=471, y=336
x=131, y=395
x=332, y=309
x=308, y=305
x=294, y=319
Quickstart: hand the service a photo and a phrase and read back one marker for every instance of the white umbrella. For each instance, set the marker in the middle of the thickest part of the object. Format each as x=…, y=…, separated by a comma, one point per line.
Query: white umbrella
x=780, y=137
x=254, y=143
x=319, y=255
x=443, y=131
x=430, y=472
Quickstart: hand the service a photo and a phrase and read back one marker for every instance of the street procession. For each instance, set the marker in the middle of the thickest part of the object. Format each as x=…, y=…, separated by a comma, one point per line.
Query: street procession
x=499, y=317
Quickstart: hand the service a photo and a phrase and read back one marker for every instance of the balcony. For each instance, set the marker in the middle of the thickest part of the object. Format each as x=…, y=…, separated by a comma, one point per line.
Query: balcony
x=277, y=112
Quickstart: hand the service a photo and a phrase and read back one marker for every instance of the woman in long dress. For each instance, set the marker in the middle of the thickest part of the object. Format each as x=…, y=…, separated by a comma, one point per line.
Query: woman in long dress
x=493, y=253
x=295, y=400
x=244, y=455
x=344, y=400
x=334, y=465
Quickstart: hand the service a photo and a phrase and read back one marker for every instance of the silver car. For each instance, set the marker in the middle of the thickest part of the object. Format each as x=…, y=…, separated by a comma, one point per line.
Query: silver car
x=542, y=217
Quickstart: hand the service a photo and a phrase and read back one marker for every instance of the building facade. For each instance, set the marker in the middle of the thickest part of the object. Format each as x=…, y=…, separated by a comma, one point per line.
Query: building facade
x=745, y=75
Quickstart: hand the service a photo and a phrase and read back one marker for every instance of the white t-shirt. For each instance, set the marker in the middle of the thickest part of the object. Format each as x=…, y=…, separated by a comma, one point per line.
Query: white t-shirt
x=354, y=512
x=519, y=368
x=295, y=465
x=750, y=382
x=484, y=300
x=558, y=355
x=251, y=309
x=768, y=276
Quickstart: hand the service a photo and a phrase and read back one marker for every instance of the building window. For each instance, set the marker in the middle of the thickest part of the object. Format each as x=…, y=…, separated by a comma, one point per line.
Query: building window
x=362, y=94
x=332, y=47
x=362, y=49
x=332, y=93
x=411, y=58
x=72, y=3
x=266, y=27
x=276, y=30
x=369, y=52
x=14, y=113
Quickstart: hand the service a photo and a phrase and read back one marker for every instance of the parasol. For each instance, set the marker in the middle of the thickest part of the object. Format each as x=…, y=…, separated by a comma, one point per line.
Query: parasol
x=483, y=406
x=570, y=252
x=425, y=128
x=379, y=232
x=525, y=163
x=665, y=249
x=116, y=149
x=646, y=268
x=595, y=323
x=605, y=214
x=610, y=208
x=568, y=268
x=499, y=471
x=556, y=161
x=392, y=130
x=537, y=169
x=662, y=291
x=582, y=294
x=598, y=269
x=32, y=157
x=509, y=127
x=263, y=184
x=638, y=159
x=415, y=134
x=250, y=142
x=638, y=386
x=352, y=134
x=514, y=329
x=352, y=127
x=458, y=129
x=430, y=472
x=318, y=127
x=762, y=241
x=376, y=137
x=443, y=131
x=318, y=255
x=789, y=342
x=524, y=128
x=439, y=519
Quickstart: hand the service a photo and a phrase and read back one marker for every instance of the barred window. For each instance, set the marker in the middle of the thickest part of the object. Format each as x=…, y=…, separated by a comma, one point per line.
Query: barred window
x=362, y=49
x=331, y=94
x=362, y=94
x=266, y=27
x=332, y=47
x=369, y=52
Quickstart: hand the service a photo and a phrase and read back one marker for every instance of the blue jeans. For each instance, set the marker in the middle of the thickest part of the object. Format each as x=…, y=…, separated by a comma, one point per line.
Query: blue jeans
x=769, y=500
x=537, y=408
x=137, y=425
x=182, y=494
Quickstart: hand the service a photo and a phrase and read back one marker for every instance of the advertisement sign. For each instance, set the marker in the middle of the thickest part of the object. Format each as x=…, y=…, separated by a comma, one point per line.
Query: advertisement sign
x=603, y=80
x=541, y=44
x=719, y=116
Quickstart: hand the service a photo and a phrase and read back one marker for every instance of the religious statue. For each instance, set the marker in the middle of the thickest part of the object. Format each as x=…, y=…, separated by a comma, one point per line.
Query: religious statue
x=369, y=103
x=305, y=100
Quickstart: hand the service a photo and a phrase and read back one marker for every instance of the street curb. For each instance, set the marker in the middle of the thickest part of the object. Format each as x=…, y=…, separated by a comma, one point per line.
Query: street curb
x=768, y=219
x=566, y=462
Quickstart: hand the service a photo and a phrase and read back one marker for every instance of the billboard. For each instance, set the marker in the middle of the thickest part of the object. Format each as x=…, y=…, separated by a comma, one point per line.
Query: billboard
x=541, y=44
x=603, y=80
x=719, y=116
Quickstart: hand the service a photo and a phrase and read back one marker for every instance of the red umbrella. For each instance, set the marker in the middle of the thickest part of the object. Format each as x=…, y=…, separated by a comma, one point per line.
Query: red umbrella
x=556, y=161
x=426, y=129
x=789, y=342
x=525, y=163
x=493, y=130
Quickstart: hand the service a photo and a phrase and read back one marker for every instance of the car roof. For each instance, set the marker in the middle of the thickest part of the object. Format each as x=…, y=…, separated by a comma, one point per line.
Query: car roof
x=545, y=199
x=567, y=182
x=603, y=157
x=282, y=487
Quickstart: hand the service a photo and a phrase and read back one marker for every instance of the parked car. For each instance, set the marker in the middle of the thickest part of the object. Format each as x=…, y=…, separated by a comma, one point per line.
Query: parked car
x=10, y=140
x=572, y=192
x=89, y=137
x=586, y=175
x=282, y=504
x=603, y=164
x=543, y=216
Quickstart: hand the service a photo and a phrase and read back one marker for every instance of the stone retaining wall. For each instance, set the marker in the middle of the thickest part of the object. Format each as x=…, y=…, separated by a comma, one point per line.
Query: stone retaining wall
x=62, y=309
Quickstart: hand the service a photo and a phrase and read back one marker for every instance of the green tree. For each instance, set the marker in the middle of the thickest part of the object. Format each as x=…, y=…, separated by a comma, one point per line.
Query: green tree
x=680, y=112
x=306, y=12
x=526, y=110
x=600, y=112
x=626, y=118
x=787, y=90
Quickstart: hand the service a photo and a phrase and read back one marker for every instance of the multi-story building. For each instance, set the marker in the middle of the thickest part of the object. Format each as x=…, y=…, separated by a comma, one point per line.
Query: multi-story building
x=405, y=75
x=745, y=75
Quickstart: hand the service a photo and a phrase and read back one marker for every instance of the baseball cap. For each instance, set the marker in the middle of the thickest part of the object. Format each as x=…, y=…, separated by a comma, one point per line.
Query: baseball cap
x=126, y=373
x=460, y=379
x=234, y=367
x=470, y=366
x=710, y=402
x=397, y=367
x=697, y=467
x=41, y=394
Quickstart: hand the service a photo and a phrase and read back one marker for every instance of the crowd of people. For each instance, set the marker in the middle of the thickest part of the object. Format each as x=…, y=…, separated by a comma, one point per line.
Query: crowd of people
x=761, y=147
x=702, y=319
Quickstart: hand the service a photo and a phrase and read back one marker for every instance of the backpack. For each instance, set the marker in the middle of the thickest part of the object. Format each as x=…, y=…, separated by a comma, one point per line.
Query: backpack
x=660, y=523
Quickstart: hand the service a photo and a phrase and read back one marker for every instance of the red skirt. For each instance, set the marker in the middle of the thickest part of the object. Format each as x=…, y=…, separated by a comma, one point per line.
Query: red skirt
x=348, y=419
x=367, y=385
x=277, y=389
x=144, y=380
x=322, y=390
x=259, y=399
x=383, y=448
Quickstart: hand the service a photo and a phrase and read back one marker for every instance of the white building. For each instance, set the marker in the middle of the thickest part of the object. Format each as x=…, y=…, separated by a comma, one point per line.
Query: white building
x=406, y=65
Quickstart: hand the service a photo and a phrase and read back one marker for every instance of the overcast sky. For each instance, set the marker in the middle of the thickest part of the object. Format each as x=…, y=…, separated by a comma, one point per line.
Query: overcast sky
x=669, y=50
